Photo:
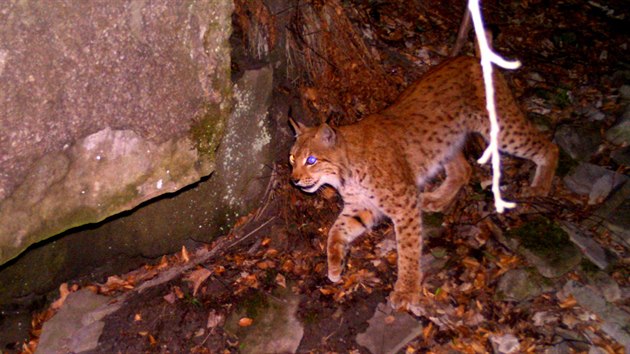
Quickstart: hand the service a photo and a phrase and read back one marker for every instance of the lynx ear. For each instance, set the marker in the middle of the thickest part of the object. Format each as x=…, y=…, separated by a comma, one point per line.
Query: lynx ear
x=298, y=127
x=327, y=135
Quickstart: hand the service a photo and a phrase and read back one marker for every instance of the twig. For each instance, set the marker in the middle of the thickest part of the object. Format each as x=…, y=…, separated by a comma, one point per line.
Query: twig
x=464, y=29
x=487, y=58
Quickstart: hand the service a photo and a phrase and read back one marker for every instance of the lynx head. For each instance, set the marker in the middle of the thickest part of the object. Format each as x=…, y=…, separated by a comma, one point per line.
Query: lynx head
x=316, y=157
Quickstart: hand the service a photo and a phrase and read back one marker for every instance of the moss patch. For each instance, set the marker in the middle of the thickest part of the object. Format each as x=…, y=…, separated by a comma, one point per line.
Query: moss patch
x=208, y=129
x=541, y=236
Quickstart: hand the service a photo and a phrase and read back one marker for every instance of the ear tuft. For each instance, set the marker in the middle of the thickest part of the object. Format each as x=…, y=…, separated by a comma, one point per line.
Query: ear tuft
x=298, y=127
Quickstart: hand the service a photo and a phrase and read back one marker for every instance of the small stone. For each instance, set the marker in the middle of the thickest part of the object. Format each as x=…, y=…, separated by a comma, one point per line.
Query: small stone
x=619, y=134
x=388, y=330
x=624, y=93
x=542, y=318
x=583, y=178
x=505, y=344
x=518, y=285
x=621, y=156
x=594, y=114
x=607, y=285
x=579, y=141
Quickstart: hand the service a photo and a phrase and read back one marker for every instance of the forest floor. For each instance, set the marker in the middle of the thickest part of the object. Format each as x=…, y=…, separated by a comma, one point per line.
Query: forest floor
x=575, y=57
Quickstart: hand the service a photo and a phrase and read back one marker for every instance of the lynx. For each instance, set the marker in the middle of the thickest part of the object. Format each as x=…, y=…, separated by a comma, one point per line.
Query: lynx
x=380, y=164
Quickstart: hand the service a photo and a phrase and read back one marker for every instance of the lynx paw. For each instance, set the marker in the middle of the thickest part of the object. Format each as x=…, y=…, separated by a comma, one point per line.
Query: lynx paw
x=404, y=300
x=334, y=275
x=537, y=191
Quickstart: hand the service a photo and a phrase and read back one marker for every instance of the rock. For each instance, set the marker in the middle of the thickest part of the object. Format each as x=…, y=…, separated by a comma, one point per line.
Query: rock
x=584, y=240
x=107, y=106
x=605, y=284
x=246, y=151
x=594, y=114
x=389, y=330
x=519, y=285
x=615, y=320
x=199, y=212
x=594, y=181
x=624, y=93
x=505, y=344
x=547, y=247
x=77, y=326
x=560, y=348
x=579, y=141
x=615, y=213
x=619, y=134
x=621, y=156
x=275, y=328
x=597, y=350
x=543, y=317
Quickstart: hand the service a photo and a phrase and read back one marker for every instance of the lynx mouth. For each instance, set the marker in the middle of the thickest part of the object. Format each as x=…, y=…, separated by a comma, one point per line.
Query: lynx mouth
x=307, y=188
x=311, y=188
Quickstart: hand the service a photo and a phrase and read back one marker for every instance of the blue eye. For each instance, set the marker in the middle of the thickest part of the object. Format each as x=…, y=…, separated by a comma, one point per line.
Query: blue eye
x=311, y=160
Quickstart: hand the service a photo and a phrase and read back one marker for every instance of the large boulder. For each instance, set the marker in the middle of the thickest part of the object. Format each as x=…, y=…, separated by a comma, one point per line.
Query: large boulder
x=105, y=106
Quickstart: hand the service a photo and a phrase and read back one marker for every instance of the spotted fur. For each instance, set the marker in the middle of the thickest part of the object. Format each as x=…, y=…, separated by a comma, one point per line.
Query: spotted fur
x=380, y=164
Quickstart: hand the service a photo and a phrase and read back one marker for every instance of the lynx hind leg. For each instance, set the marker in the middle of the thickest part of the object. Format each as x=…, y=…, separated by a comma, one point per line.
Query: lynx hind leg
x=520, y=138
x=458, y=172
x=350, y=224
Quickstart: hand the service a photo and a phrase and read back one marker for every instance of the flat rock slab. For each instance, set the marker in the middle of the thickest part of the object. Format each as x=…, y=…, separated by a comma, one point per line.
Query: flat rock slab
x=274, y=326
x=595, y=181
x=615, y=320
x=77, y=326
x=389, y=330
x=583, y=239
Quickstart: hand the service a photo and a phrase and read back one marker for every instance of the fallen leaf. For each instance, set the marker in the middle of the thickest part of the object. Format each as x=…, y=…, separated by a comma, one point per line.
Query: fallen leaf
x=281, y=280
x=163, y=263
x=326, y=291
x=63, y=294
x=178, y=292
x=266, y=264
x=185, y=255
x=568, y=302
x=197, y=277
x=218, y=270
x=288, y=266
x=427, y=331
x=245, y=322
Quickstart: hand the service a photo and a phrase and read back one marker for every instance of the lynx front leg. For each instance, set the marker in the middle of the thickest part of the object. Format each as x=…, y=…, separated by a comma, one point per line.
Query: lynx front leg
x=457, y=174
x=350, y=224
x=408, y=226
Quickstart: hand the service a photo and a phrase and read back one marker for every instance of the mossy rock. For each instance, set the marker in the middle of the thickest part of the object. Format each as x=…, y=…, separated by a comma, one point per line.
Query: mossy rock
x=547, y=247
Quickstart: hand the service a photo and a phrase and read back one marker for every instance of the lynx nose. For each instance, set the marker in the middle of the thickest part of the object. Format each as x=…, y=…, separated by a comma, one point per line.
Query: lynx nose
x=295, y=181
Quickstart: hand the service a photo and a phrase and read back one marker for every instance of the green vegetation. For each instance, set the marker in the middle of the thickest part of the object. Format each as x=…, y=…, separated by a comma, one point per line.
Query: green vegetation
x=542, y=236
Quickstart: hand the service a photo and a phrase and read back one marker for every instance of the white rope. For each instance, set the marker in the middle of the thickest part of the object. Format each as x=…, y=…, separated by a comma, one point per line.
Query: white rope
x=487, y=58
